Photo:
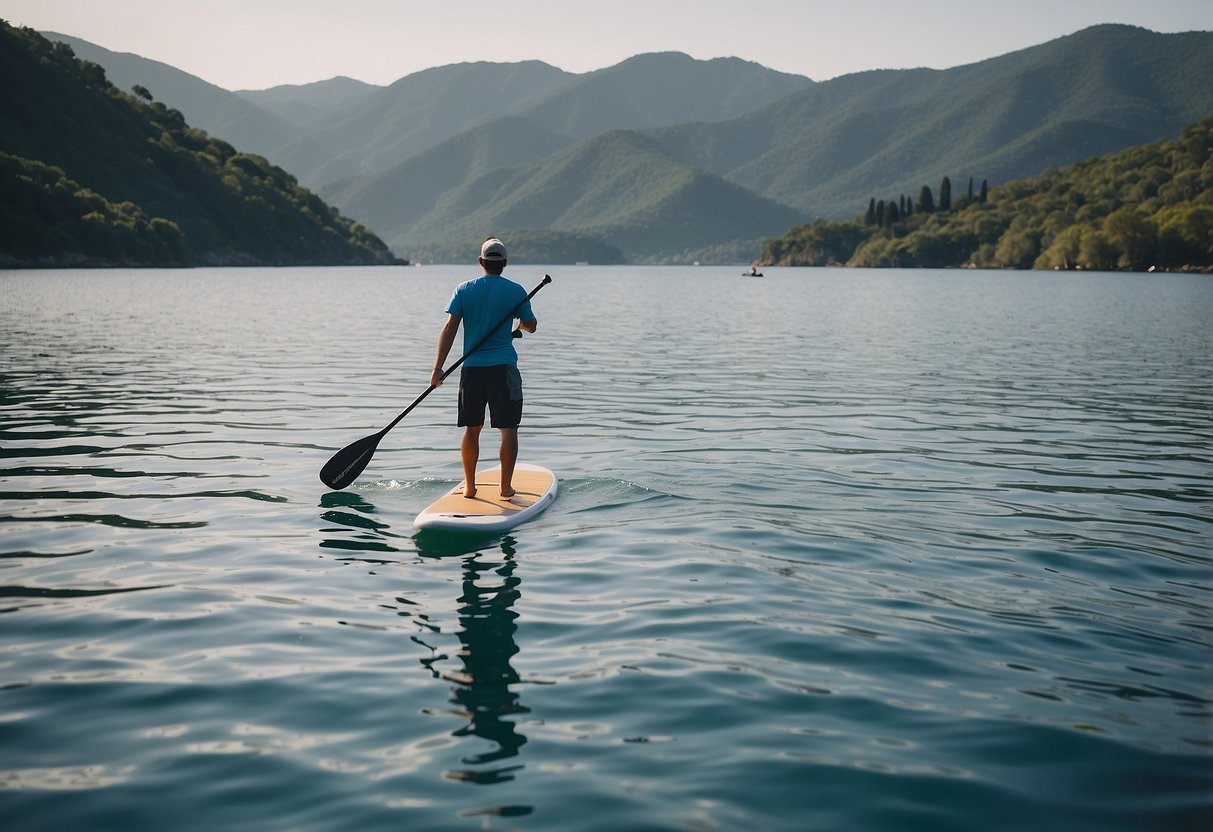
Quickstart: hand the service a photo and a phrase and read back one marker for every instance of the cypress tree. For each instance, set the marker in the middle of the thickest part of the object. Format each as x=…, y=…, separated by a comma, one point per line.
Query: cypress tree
x=985, y=192
x=926, y=202
x=945, y=194
x=893, y=215
x=870, y=219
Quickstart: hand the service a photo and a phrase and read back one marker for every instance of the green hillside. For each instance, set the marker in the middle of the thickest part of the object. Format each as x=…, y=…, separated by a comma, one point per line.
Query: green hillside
x=95, y=176
x=826, y=149
x=387, y=126
x=47, y=218
x=1147, y=207
x=660, y=89
x=527, y=245
x=620, y=187
x=397, y=200
x=220, y=113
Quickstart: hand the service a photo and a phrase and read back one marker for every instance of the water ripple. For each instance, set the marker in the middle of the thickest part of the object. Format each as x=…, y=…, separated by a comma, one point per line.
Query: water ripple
x=836, y=549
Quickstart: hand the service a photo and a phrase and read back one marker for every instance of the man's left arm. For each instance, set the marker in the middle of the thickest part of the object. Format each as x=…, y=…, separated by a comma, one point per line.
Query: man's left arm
x=526, y=317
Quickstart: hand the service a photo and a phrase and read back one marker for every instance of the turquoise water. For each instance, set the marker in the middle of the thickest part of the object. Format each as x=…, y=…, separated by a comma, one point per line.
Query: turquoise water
x=834, y=549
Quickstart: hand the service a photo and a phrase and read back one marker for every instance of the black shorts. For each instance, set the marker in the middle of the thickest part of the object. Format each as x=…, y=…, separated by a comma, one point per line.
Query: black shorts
x=499, y=387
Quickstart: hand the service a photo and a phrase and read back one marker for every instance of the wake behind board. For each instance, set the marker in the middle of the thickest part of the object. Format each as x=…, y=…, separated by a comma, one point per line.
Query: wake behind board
x=488, y=511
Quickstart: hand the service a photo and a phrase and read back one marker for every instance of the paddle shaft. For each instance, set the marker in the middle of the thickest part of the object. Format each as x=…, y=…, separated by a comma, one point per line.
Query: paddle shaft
x=546, y=280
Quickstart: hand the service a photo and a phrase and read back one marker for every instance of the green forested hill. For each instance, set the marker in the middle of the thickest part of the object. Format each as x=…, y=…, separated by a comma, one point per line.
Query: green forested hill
x=825, y=149
x=1147, y=207
x=388, y=125
x=395, y=201
x=222, y=114
x=660, y=89
x=95, y=176
x=621, y=188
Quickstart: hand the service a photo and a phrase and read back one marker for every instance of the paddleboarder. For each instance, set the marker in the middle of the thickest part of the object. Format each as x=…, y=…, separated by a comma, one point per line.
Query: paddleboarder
x=489, y=377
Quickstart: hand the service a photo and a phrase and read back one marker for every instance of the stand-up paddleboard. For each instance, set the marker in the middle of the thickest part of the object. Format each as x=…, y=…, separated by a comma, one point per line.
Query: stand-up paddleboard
x=488, y=511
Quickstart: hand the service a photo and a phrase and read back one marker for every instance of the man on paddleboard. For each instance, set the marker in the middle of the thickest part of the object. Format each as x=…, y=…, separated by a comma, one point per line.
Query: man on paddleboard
x=489, y=376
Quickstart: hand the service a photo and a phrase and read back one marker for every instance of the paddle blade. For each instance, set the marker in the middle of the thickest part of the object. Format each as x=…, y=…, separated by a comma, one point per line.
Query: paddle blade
x=348, y=463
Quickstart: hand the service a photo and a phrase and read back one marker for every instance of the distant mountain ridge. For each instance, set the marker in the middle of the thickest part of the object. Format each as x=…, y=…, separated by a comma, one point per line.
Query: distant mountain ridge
x=660, y=89
x=826, y=149
x=400, y=157
x=306, y=104
x=331, y=130
x=391, y=124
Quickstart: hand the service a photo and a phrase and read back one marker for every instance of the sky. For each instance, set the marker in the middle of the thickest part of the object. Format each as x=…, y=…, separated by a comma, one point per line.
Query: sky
x=255, y=44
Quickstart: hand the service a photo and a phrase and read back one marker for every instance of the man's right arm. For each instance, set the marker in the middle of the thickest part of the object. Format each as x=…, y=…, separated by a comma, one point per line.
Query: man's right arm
x=446, y=339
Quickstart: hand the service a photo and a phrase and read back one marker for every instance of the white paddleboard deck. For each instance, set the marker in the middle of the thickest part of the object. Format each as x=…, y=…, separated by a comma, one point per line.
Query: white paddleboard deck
x=488, y=511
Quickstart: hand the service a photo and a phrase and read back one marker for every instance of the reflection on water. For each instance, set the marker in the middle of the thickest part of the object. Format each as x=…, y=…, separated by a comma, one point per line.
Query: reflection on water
x=482, y=693
x=484, y=684
x=353, y=512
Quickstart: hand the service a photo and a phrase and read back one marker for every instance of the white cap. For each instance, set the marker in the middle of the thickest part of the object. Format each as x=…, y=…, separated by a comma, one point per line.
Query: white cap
x=493, y=249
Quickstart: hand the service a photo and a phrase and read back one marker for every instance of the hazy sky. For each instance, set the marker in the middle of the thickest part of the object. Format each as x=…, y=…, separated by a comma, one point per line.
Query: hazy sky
x=252, y=44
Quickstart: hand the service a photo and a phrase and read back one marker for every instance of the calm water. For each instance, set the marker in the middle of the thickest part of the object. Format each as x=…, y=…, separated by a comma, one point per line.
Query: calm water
x=834, y=549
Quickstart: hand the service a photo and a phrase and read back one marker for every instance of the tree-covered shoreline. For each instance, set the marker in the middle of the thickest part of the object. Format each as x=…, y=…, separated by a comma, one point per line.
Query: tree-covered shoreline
x=1146, y=208
x=96, y=177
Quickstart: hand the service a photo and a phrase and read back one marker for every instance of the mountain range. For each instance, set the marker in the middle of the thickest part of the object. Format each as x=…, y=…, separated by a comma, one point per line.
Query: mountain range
x=664, y=158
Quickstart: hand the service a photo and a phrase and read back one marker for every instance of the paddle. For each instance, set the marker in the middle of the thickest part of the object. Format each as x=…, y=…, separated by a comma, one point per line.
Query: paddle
x=349, y=462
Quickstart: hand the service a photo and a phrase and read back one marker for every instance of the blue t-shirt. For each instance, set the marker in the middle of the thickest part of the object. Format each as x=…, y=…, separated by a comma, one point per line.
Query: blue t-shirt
x=482, y=303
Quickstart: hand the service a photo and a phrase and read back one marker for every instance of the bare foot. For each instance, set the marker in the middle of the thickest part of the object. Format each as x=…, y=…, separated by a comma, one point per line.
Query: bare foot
x=507, y=493
x=469, y=492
